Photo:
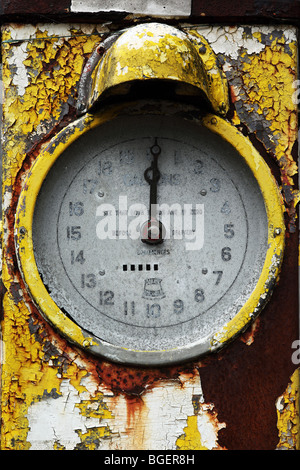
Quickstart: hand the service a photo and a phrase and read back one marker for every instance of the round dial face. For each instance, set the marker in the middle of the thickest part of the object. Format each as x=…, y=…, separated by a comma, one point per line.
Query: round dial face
x=150, y=232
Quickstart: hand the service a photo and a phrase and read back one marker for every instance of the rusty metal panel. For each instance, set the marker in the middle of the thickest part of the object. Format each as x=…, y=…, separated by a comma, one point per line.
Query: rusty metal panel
x=16, y=7
x=242, y=398
x=248, y=10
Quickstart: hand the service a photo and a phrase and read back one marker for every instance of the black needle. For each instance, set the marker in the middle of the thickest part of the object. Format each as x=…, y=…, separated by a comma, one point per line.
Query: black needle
x=152, y=230
x=155, y=150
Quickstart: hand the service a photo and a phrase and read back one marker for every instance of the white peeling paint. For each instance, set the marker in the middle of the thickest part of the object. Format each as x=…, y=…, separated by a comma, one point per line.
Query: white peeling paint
x=159, y=417
x=231, y=40
x=158, y=423
x=208, y=432
x=146, y=7
x=20, y=77
x=56, y=419
x=121, y=70
x=6, y=201
x=153, y=421
x=30, y=33
x=18, y=33
x=60, y=29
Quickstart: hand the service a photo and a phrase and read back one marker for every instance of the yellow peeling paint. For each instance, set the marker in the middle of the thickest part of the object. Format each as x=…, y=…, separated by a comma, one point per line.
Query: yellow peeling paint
x=25, y=378
x=266, y=88
x=201, y=431
x=53, y=67
x=287, y=408
x=95, y=408
x=29, y=374
x=165, y=53
x=191, y=439
x=217, y=84
x=273, y=72
x=90, y=439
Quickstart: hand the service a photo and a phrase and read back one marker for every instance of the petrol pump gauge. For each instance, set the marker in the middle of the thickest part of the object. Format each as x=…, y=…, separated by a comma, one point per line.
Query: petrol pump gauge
x=155, y=236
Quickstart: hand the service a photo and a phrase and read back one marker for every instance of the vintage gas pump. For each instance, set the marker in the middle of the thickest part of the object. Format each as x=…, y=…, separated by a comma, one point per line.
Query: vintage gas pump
x=150, y=230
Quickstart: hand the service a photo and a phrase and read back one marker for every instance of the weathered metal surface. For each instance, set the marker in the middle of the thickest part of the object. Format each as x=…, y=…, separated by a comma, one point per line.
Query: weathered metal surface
x=288, y=415
x=230, y=401
x=260, y=363
x=154, y=51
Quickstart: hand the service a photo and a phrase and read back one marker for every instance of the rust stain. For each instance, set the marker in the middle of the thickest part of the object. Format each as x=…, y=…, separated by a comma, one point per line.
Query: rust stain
x=134, y=380
x=258, y=373
x=249, y=335
x=136, y=415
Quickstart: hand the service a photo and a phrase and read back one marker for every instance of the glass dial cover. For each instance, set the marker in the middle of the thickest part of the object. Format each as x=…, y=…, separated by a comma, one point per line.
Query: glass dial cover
x=95, y=253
